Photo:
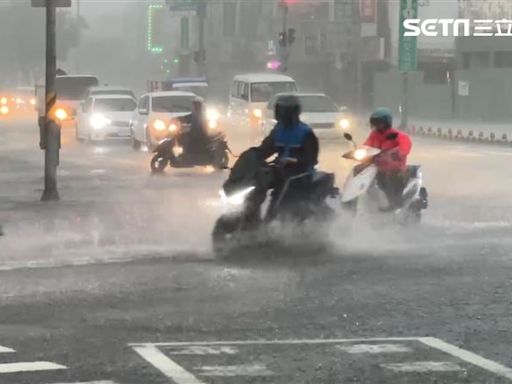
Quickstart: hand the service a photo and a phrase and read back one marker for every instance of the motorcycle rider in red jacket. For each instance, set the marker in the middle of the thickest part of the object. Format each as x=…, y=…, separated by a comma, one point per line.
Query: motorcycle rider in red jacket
x=392, y=161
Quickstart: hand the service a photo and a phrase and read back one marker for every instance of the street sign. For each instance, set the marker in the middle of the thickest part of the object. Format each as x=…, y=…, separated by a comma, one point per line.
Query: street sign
x=407, y=46
x=58, y=3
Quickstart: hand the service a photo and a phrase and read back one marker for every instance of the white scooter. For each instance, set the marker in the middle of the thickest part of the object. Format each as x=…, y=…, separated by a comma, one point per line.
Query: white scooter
x=361, y=184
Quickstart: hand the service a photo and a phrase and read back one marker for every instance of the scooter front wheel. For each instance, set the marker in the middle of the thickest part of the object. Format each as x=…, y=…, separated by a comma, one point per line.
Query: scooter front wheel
x=158, y=163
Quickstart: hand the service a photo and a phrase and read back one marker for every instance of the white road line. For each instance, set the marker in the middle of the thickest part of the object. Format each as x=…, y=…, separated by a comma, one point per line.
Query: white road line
x=165, y=365
x=374, y=348
x=30, y=367
x=91, y=382
x=6, y=350
x=235, y=370
x=278, y=342
x=200, y=350
x=467, y=356
x=423, y=366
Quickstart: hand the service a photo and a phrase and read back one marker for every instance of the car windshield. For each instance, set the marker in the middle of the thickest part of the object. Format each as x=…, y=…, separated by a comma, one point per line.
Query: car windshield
x=199, y=90
x=74, y=87
x=125, y=92
x=262, y=92
x=172, y=104
x=317, y=104
x=115, y=105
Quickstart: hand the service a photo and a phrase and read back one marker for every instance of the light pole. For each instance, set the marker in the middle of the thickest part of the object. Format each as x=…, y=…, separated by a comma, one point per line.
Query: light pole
x=50, y=138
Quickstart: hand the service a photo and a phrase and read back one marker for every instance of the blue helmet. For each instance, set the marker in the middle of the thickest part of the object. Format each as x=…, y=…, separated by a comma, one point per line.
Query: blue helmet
x=383, y=116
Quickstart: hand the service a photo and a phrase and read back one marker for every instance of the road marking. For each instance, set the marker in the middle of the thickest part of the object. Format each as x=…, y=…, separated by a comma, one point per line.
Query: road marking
x=30, y=367
x=374, y=348
x=199, y=350
x=423, y=366
x=6, y=350
x=468, y=357
x=150, y=352
x=235, y=370
x=92, y=382
x=165, y=365
x=278, y=342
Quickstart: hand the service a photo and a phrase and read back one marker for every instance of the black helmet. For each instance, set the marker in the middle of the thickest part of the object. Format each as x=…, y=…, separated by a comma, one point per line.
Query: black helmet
x=287, y=109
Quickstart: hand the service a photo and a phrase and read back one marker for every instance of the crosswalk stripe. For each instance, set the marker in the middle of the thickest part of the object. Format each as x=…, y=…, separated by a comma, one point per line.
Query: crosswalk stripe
x=91, y=382
x=30, y=367
x=6, y=350
x=423, y=366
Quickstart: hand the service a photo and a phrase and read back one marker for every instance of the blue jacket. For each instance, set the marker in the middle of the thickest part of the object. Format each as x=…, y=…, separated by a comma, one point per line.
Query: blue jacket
x=299, y=142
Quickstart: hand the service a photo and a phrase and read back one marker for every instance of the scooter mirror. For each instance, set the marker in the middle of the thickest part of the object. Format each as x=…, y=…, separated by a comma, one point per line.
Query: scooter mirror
x=348, y=136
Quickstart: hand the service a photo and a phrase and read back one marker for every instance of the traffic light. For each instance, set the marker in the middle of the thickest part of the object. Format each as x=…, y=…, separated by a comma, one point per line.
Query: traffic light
x=283, y=39
x=291, y=36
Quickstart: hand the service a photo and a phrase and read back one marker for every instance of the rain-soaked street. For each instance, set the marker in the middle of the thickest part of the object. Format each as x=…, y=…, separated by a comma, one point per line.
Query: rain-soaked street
x=117, y=282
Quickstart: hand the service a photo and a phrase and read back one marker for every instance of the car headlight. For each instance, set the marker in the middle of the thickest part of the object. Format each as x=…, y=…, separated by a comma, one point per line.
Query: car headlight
x=159, y=125
x=236, y=198
x=212, y=124
x=33, y=102
x=3, y=101
x=344, y=123
x=212, y=114
x=258, y=113
x=360, y=154
x=4, y=110
x=61, y=114
x=98, y=121
x=173, y=127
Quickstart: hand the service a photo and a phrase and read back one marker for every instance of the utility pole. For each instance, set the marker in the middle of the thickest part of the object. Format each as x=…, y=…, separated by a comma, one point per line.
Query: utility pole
x=79, y=37
x=50, y=138
x=358, y=58
x=201, y=14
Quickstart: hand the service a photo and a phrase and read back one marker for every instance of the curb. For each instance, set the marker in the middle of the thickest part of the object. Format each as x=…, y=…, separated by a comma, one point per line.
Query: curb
x=464, y=135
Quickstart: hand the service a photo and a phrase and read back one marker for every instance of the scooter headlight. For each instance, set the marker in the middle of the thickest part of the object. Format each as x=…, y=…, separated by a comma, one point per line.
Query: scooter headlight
x=237, y=198
x=360, y=154
x=4, y=110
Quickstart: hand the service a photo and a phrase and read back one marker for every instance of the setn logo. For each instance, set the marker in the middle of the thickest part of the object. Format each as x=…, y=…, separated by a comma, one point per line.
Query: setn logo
x=456, y=27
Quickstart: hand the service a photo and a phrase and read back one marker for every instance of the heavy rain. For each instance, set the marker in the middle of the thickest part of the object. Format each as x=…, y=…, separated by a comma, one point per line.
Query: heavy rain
x=255, y=191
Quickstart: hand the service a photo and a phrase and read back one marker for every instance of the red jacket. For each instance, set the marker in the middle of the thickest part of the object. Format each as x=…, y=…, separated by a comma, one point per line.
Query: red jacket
x=394, y=152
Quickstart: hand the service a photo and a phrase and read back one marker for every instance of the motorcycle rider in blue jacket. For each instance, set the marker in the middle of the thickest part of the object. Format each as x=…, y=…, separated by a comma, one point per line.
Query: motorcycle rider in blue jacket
x=296, y=147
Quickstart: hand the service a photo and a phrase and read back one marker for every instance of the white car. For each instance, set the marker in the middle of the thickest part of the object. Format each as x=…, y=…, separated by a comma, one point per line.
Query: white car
x=319, y=111
x=105, y=116
x=158, y=114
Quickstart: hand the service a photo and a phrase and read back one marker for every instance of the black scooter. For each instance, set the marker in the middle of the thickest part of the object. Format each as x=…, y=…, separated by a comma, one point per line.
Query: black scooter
x=178, y=152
